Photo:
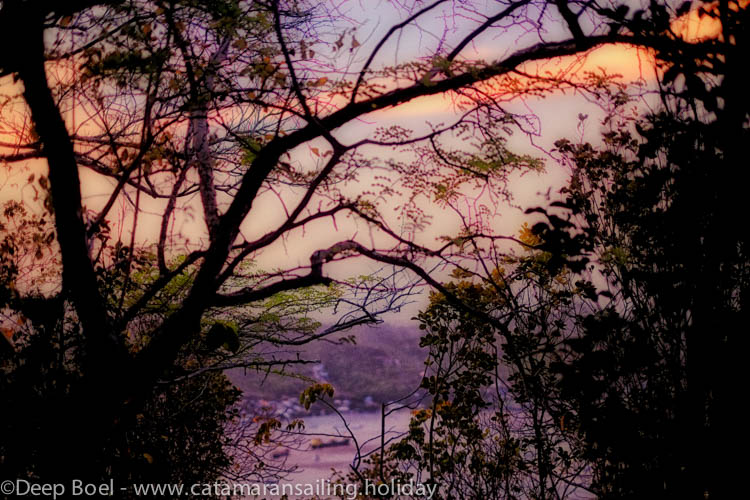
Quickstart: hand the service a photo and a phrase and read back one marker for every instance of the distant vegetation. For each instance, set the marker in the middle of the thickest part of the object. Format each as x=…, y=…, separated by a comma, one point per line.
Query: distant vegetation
x=386, y=363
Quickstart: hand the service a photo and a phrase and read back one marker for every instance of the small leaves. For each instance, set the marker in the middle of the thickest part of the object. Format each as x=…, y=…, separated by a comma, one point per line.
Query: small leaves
x=265, y=430
x=314, y=393
x=427, y=80
x=319, y=82
x=224, y=335
x=339, y=42
x=528, y=236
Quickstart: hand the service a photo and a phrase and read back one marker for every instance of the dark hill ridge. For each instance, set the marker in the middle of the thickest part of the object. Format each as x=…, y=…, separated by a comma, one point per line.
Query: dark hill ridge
x=386, y=363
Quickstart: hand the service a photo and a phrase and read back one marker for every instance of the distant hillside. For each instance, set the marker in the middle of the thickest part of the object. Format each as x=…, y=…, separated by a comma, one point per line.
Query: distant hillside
x=385, y=364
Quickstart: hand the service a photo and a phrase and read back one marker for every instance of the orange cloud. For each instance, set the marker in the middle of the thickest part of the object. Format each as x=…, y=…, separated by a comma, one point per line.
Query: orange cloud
x=547, y=77
x=696, y=26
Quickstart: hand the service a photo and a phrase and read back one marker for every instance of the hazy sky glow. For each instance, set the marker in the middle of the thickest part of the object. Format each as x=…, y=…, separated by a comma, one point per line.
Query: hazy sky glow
x=543, y=117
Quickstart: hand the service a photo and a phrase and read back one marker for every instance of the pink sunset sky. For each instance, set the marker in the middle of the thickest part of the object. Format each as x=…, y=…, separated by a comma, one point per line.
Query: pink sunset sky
x=551, y=116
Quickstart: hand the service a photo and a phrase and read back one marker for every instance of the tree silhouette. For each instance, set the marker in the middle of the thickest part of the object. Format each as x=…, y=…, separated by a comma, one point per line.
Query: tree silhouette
x=217, y=99
x=640, y=342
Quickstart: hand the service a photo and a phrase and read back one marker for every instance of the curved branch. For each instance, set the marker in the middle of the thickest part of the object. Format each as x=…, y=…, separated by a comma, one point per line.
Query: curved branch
x=314, y=277
x=382, y=41
x=571, y=19
x=483, y=27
